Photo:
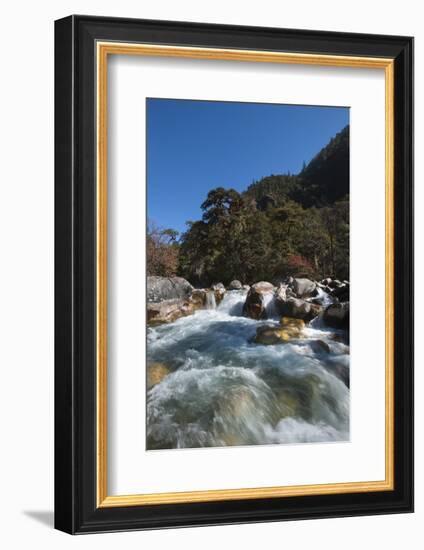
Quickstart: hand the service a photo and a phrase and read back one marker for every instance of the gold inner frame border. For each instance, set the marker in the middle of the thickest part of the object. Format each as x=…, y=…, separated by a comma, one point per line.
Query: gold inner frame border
x=103, y=50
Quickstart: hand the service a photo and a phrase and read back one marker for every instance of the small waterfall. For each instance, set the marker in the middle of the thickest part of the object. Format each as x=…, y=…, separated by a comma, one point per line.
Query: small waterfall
x=210, y=302
x=271, y=310
x=323, y=297
x=233, y=301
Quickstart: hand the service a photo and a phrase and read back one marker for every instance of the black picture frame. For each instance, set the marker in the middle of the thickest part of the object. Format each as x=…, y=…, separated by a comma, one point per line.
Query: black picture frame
x=76, y=510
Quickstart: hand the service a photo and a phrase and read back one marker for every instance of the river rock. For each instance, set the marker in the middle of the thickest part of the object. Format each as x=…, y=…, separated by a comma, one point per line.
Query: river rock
x=168, y=311
x=304, y=288
x=319, y=346
x=299, y=309
x=337, y=315
x=281, y=293
x=257, y=299
x=203, y=298
x=218, y=286
x=246, y=287
x=156, y=372
x=291, y=322
x=341, y=292
x=167, y=288
x=269, y=335
x=235, y=285
x=198, y=297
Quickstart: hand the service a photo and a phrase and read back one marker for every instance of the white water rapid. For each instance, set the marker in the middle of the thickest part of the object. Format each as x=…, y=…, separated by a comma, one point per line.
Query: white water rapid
x=324, y=298
x=223, y=389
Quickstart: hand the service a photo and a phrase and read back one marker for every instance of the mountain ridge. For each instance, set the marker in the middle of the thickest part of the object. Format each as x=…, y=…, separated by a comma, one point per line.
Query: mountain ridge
x=322, y=182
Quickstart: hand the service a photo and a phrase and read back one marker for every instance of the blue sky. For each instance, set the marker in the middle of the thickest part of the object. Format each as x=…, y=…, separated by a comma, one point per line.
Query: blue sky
x=194, y=146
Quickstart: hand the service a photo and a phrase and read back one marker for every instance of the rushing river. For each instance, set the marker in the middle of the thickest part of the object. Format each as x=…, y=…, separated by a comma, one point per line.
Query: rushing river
x=223, y=389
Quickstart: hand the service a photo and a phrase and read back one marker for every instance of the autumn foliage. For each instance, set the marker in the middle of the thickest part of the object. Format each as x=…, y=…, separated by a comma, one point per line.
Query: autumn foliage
x=161, y=251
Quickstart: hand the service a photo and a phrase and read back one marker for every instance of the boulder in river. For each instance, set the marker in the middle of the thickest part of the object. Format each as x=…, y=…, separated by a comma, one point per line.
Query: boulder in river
x=235, y=285
x=282, y=294
x=167, y=288
x=304, y=288
x=320, y=346
x=341, y=292
x=258, y=297
x=290, y=329
x=292, y=322
x=337, y=315
x=198, y=297
x=168, y=311
x=203, y=298
x=299, y=309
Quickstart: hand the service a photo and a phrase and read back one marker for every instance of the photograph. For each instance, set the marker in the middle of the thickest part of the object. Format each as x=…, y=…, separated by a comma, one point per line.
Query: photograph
x=222, y=192
x=247, y=270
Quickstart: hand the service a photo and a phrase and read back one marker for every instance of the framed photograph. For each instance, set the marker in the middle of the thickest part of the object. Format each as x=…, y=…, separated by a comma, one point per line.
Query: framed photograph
x=233, y=273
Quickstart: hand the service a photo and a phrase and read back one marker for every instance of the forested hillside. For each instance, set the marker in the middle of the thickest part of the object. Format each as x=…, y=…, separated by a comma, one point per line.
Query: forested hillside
x=321, y=183
x=281, y=225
